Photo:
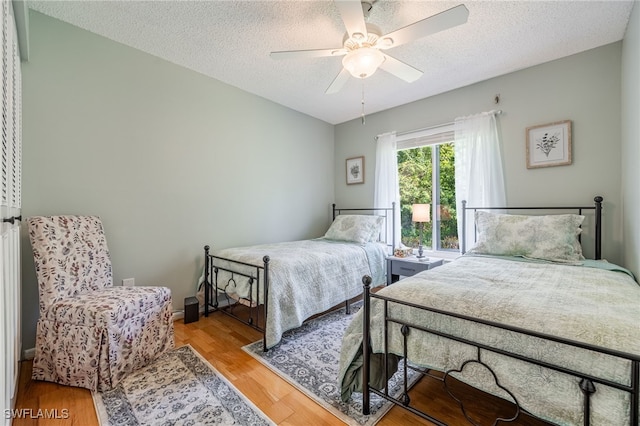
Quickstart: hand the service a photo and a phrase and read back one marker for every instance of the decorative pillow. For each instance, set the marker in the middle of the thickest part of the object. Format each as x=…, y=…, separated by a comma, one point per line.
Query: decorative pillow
x=356, y=228
x=553, y=237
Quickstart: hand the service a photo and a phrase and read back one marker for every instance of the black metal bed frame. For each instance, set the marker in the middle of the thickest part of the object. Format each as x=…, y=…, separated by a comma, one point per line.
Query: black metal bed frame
x=587, y=382
x=258, y=275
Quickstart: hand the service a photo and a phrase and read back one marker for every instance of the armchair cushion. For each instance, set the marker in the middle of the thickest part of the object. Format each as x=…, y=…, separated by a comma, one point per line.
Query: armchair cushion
x=109, y=306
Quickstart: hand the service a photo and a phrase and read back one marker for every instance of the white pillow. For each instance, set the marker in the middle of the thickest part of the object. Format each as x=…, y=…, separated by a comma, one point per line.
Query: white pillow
x=551, y=237
x=355, y=228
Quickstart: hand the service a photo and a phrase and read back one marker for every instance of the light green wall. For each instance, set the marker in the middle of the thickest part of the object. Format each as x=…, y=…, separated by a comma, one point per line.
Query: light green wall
x=631, y=141
x=170, y=159
x=584, y=88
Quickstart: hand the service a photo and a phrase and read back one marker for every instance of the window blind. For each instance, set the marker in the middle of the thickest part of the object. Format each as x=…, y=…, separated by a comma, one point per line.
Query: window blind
x=432, y=136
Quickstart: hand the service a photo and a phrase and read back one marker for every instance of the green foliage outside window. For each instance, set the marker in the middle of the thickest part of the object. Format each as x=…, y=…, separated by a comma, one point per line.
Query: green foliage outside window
x=415, y=172
x=448, y=219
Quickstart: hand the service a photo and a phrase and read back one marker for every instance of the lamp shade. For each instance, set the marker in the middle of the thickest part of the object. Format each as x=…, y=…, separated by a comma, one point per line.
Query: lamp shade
x=363, y=62
x=421, y=213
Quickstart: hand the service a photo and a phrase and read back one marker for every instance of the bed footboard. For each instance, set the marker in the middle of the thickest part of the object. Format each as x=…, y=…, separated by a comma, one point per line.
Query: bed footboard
x=588, y=383
x=220, y=274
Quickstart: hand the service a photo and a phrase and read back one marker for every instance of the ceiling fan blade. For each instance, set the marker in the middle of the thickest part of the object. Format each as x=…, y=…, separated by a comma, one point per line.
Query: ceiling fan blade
x=401, y=70
x=338, y=82
x=312, y=53
x=444, y=20
x=352, y=16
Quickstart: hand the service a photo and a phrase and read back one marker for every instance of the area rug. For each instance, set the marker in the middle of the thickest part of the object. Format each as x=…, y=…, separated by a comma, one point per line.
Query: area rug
x=308, y=357
x=179, y=388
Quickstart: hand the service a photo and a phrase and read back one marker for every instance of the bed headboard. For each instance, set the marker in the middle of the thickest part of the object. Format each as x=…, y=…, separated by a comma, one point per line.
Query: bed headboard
x=389, y=219
x=597, y=207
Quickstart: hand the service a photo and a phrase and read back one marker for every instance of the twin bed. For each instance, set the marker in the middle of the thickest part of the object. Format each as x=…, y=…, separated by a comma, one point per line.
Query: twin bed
x=522, y=316
x=275, y=287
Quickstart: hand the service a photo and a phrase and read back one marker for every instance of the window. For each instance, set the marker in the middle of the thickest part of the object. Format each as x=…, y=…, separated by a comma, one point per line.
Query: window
x=426, y=175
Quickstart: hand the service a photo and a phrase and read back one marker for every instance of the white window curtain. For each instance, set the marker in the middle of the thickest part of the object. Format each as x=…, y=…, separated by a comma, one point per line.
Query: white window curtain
x=478, y=165
x=387, y=188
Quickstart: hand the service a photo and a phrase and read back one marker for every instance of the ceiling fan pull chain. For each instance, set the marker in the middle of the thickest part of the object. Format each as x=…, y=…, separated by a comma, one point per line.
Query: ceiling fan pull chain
x=363, y=120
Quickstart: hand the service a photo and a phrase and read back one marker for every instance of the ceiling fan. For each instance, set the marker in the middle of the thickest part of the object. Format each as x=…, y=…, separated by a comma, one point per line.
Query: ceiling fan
x=363, y=43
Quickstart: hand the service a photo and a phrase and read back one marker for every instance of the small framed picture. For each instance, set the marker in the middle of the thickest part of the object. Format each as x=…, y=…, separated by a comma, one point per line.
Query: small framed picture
x=355, y=170
x=549, y=145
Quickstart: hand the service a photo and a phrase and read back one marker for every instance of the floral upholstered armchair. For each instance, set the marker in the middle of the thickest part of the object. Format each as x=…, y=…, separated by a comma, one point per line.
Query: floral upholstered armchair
x=91, y=333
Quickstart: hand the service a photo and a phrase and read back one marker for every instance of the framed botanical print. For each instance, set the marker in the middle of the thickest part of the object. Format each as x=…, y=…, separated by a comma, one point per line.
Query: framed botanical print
x=549, y=145
x=355, y=170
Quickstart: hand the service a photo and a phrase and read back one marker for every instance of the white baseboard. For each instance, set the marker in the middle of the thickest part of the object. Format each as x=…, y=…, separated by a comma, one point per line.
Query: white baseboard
x=180, y=314
x=29, y=353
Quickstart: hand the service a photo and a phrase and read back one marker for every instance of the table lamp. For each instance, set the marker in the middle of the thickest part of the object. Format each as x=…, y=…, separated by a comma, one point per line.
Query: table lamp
x=421, y=213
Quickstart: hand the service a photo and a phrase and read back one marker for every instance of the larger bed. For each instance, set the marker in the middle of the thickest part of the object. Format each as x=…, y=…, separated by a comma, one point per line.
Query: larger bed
x=558, y=337
x=275, y=287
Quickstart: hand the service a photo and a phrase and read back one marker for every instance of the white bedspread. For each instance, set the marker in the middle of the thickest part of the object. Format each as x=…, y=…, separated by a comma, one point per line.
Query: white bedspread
x=306, y=277
x=585, y=304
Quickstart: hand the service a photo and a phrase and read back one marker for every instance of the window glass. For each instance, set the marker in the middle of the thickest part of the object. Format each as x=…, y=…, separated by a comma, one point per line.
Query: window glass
x=427, y=176
x=446, y=209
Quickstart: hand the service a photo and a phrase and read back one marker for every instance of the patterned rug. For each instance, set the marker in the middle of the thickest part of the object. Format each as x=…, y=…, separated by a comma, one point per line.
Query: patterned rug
x=308, y=357
x=179, y=388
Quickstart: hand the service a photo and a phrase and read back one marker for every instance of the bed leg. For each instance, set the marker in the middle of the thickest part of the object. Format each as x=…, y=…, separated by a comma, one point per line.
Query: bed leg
x=405, y=397
x=588, y=388
x=366, y=280
x=347, y=307
x=635, y=393
x=265, y=287
x=206, y=281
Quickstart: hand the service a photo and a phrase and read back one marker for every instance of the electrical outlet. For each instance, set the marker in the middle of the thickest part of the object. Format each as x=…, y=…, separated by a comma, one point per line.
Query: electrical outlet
x=129, y=282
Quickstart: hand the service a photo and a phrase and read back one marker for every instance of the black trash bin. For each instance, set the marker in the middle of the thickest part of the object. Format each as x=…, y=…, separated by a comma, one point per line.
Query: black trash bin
x=191, y=306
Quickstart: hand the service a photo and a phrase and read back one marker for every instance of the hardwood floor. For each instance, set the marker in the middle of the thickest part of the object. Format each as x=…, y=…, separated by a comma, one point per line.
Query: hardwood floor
x=219, y=339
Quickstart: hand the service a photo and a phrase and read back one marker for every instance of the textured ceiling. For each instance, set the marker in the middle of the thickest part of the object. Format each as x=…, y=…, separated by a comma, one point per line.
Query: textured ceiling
x=231, y=41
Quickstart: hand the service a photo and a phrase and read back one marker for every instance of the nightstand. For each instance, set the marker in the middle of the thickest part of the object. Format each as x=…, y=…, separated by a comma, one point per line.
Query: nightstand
x=407, y=266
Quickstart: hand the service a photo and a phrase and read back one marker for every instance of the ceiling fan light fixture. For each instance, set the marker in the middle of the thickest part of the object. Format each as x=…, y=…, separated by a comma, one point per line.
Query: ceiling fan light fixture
x=363, y=62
